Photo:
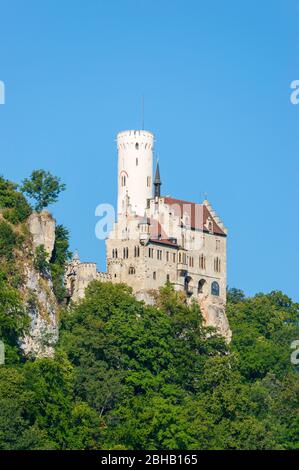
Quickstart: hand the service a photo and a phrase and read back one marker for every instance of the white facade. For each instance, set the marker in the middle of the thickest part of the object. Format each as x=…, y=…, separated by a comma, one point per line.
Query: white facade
x=135, y=170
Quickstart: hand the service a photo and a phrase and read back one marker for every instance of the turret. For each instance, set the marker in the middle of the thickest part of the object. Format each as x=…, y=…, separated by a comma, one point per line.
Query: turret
x=135, y=170
x=157, y=182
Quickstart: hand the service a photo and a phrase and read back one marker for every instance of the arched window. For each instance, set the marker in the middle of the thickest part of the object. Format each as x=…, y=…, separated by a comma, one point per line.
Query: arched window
x=215, y=288
x=187, y=285
x=200, y=286
x=115, y=252
x=123, y=180
x=136, y=146
x=113, y=255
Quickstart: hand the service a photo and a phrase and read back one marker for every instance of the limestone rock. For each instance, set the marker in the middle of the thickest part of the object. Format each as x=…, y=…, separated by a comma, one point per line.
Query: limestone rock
x=214, y=315
x=41, y=306
x=42, y=229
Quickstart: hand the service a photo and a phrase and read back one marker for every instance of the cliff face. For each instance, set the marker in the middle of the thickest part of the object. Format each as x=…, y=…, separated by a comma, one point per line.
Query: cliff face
x=37, y=290
x=42, y=229
x=214, y=315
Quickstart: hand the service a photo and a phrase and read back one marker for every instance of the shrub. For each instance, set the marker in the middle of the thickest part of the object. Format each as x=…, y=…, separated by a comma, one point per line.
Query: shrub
x=40, y=261
x=14, y=205
x=8, y=240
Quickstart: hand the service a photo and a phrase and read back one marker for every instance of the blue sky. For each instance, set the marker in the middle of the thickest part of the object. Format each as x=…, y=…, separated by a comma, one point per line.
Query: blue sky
x=216, y=79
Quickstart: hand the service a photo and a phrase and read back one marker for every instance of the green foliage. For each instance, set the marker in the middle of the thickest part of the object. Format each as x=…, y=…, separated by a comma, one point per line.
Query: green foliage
x=264, y=327
x=60, y=256
x=235, y=295
x=68, y=423
x=42, y=187
x=40, y=261
x=8, y=241
x=17, y=431
x=130, y=376
x=12, y=203
x=13, y=320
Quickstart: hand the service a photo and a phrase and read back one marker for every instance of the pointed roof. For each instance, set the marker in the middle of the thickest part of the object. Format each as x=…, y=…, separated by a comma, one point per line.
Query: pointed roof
x=76, y=256
x=157, y=176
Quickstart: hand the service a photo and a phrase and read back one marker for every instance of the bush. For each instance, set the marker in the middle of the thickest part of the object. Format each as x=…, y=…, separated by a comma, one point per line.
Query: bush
x=8, y=240
x=13, y=204
x=40, y=261
x=60, y=256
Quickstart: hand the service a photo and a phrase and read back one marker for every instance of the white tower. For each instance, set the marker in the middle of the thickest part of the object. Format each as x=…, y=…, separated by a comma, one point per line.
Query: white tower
x=135, y=170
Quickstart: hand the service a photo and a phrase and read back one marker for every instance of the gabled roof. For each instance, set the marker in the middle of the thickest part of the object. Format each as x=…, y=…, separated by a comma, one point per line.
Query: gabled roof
x=199, y=214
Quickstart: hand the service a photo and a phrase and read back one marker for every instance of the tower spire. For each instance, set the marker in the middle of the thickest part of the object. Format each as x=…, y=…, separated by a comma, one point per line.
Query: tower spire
x=157, y=182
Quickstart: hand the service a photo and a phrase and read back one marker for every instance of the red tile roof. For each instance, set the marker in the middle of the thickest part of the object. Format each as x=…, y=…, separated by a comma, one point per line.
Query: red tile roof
x=199, y=214
x=164, y=241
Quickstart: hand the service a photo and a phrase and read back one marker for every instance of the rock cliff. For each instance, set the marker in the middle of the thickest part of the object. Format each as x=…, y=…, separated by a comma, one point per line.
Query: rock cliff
x=37, y=289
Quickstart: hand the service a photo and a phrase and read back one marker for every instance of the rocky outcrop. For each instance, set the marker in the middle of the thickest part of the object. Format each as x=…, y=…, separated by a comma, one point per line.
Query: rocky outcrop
x=42, y=229
x=213, y=312
x=37, y=291
x=41, y=307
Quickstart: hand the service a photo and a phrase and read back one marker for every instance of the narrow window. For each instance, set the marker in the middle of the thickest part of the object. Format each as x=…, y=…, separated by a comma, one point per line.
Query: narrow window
x=154, y=275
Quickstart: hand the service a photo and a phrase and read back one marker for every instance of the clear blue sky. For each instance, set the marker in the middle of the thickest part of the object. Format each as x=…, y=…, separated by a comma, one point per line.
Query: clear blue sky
x=216, y=78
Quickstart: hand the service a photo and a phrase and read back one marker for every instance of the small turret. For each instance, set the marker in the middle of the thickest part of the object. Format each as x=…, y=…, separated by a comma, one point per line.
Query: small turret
x=157, y=182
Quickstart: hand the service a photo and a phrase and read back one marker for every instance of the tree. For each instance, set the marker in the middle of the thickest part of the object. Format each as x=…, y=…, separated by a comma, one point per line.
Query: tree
x=13, y=204
x=59, y=258
x=235, y=295
x=40, y=261
x=43, y=187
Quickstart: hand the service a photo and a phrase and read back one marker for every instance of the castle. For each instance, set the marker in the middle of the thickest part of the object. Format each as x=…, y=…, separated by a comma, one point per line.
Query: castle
x=158, y=239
